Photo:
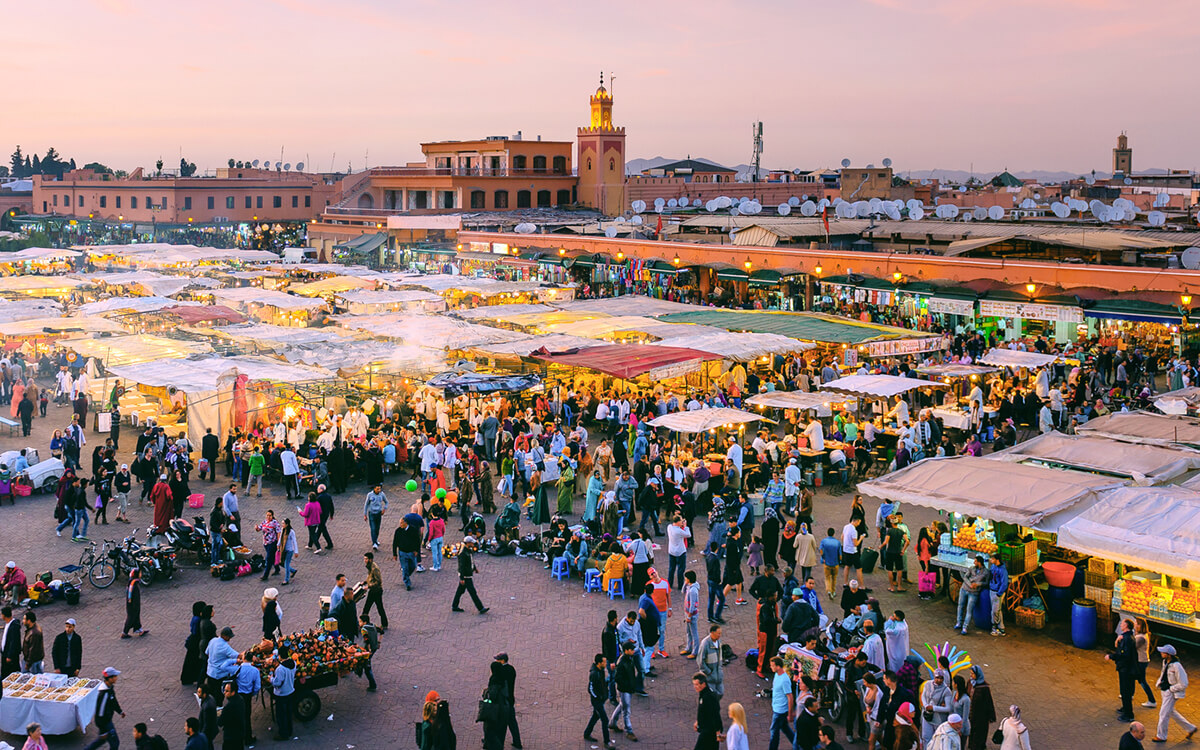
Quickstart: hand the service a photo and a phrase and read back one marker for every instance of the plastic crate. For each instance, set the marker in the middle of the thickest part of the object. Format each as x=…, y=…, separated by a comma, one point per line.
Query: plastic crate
x=1031, y=618
x=1100, y=565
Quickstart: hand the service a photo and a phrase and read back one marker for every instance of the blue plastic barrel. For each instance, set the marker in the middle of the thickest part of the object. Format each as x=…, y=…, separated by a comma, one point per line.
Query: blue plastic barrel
x=1083, y=623
x=1058, y=600
x=983, y=611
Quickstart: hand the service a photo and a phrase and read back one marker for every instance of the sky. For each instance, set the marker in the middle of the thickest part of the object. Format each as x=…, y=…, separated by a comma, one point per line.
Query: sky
x=932, y=84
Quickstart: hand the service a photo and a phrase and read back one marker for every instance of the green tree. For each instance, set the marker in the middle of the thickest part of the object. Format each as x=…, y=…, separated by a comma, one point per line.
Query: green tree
x=158, y=166
x=28, y=170
x=18, y=163
x=3, y=171
x=37, y=165
x=97, y=167
x=186, y=168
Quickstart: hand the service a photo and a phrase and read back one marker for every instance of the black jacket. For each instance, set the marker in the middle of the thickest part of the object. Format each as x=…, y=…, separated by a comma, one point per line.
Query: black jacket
x=1125, y=658
x=608, y=644
x=597, y=684
x=107, y=706
x=210, y=446
x=799, y=617
x=466, y=569
x=708, y=713
x=626, y=676
x=233, y=722
x=208, y=718
x=67, y=654
x=409, y=540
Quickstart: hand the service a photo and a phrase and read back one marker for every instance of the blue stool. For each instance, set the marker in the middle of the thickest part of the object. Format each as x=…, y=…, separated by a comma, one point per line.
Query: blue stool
x=616, y=587
x=559, y=568
x=591, y=580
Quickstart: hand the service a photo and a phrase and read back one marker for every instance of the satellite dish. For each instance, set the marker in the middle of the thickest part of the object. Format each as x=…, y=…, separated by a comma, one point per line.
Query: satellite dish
x=823, y=204
x=862, y=209
x=916, y=214
x=845, y=163
x=808, y=208
x=659, y=203
x=995, y=213
x=1061, y=210
x=525, y=227
x=287, y=167
x=266, y=165
x=1156, y=218
x=887, y=162
x=912, y=204
x=638, y=206
x=1190, y=258
x=1095, y=207
x=733, y=211
x=696, y=202
x=980, y=213
x=804, y=197
x=796, y=172
x=610, y=232
x=1090, y=180
x=793, y=201
x=1161, y=200
x=710, y=206
x=784, y=209
x=619, y=220
x=636, y=221
x=724, y=201
x=951, y=211
x=255, y=163
x=1029, y=203
x=1128, y=180
x=875, y=205
x=967, y=216
x=892, y=212
x=300, y=166
x=671, y=203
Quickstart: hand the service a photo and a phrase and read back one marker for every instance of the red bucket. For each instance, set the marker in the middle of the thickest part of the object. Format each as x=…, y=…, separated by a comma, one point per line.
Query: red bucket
x=196, y=501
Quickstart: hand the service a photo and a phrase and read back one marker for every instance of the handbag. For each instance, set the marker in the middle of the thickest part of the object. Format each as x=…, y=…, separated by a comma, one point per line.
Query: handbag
x=488, y=711
x=998, y=735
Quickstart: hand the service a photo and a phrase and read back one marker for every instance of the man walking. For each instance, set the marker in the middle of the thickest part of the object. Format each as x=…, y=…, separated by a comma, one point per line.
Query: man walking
x=283, y=686
x=1125, y=660
x=107, y=706
x=33, y=647
x=248, y=682
x=210, y=447
x=783, y=704
x=466, y=577
x=626, y=682
x=510, y=679
x=709, y=661
x=1173, y=683
x=374, y=585
x=406, y=542
x=373, y=510
x=708, y=714
x=831, y=554
x=597, y=690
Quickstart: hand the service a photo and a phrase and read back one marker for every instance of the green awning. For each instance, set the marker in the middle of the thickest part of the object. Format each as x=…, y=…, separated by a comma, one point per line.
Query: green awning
x=871, y=282
x=1132, y=309
x=960, y=292
x=434, y=250
x=732, y=274
x=765, y=277
x=803, y=326
x=662, y=266
x=919, y=287
x=366, y=243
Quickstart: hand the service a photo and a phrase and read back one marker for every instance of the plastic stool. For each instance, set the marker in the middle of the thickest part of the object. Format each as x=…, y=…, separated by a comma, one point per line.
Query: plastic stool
x=591, y=580
x=559, y=568
x=616, y=587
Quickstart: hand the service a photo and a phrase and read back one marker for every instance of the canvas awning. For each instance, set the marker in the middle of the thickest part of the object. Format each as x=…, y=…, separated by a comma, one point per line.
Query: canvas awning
x=331, y=285
x=798, y=400
x=204, y=314
x=458, y=383
x=877, y=386
x=249, y=295
x=1145, y=427
x=627, y=361
x=703, y=420
x=554, y=342
x=201, y=375
x=115, y=351
x=954, y=370
x=1014, y=493
x=364, y=243
x=131, y=305
x=38, y=327
x=630, y=304
x=813, y=327
x=1144, y=464
x=1016, y=358
x=737, y=347
x=433, y=330
x=39, y=253
x=1178, y=401
x=1153, y=528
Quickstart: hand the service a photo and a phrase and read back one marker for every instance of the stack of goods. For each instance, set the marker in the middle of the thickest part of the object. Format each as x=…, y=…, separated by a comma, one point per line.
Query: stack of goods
x=1019, y=557
x=315, y=652
x=1031, y=613
x=968, y=541
x=58, y=688
x=1157, y=602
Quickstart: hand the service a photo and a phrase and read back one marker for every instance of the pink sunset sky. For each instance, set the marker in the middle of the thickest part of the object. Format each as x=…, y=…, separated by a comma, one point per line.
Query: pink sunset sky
x=1022, y=84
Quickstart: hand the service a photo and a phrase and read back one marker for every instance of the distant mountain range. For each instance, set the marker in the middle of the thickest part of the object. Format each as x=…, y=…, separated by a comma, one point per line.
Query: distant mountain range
x=945, y=176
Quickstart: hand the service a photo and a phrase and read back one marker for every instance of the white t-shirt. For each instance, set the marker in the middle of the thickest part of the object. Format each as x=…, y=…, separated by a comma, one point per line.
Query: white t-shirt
x=849, y=538
x=428, y=457
x=816, y=435
x=675, y=540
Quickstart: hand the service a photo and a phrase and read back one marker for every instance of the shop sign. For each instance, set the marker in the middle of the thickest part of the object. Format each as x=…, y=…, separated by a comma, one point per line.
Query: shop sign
x=904, y=346
x=674, y=370
x=951, y=306
x=849, y=357
x=499, y=248
x=1031, y=310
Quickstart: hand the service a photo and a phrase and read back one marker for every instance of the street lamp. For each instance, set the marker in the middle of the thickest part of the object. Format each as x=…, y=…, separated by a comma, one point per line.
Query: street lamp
x=620, y=255
x=817, y=270
x=897, y=276
x=1186, y=299
x=675, y=260
x=748, y=264
x=1031, y=288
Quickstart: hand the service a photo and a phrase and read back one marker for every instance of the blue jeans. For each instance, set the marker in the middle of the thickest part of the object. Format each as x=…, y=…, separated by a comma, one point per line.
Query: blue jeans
x=81, y=518
x=217, y=545
x=408, y=564
x=288, y=570
x=624, y=706
x=693, y=634
x=108, y=734
x=715, y=594
x=373, y=520
x=676, y=563
x=435, y=546
x=966, y=607
x=662, y=633
x=70, y=519
x=780, y=725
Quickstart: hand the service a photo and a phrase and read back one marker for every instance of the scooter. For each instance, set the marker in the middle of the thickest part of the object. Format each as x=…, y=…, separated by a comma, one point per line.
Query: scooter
x=190, y=537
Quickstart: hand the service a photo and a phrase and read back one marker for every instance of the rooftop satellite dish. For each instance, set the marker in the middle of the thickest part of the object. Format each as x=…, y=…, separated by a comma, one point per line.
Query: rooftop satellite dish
x=1156, y=218
x=796, y=172
x=870, y=166
x=967, y=216
x=670, y=204
x=619, y=220
x=1095, y=206
x=1061, y=210
x=913, y=203
x=696, y=202
x=804, y=197
x=1090, y=180
x=887, y=162
x=892, y=212
x=1029, y=203
x=638, y=206
x=808, y=208
x=875, y=205
x=1128, y=180
x=1161, y=200
x=916, y=214
x=924, y=182
x=845, y=163
x=862, y=209
x=1190, y=258
x=793, y=201
x=710, y=206
x=636, y=221
x=254, y=163
x=610, y=232
x=733, y=211
x=823, y=204
x=951, y=211
x=980, y=213
x=300, y=166
x=287, y=167
x=724, y=201
x=266, y=165
x=995, y=213
x=784, y=209
x=525, y=227
x=659, y=202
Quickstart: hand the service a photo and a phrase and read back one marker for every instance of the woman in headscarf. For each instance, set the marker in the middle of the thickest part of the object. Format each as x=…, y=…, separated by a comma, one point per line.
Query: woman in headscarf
x=983, y=710
x=495, y=724
x=1016, y=734
x=566, y=487
x=577, y=553
x=806, y=552
x=18, y=393
x=594, y=488
x=769, y=533
x=787, y=545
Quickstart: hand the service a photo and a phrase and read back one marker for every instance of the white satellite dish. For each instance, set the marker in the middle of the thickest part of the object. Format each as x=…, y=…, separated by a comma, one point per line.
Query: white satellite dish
x=610, y=232
x=254, y=163
x=979, y=213
x=845, y=163
x=887, y=162
x=733, y=211
x=696, y=202
x=808, y=208
x=619, y=220
x=862, y=209
x=793, y=201
x=784, y=209
x=892, y=212
x=913, y=203
x=995, y=213
x=1161, y=200
x=1029, y=203
x=823, y=204
x=1061, y=210
x=1128, y=180
x=724, y=201
x=710, y=206
x=951, y=211
x=638, y=206
x=1156, y=218
x=683, y=201
x=967, y=216
x=659, y=202
x=670, y=204
x=300, y=166
x=636, y=221
x=525, y=227
x=1190, y=258
x=266, y=165
x=1090, y=180
x=287, y=167
x=916, y=214
x=804, y=197
x=1095, y=207
x=875, y=205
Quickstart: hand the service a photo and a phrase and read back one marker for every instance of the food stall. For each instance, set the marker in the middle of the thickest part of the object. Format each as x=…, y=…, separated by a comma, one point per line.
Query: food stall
x=322, y=657
x=954, y=410
x=269, y=306
x=61, y=704
x=1146, y=428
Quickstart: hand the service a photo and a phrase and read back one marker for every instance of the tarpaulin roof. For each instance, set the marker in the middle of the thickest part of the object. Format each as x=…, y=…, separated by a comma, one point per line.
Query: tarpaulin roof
x=333, y=284
x=738, y=347
x=954, y=370
x=429, y=330
x=38, y=253
x=631, y=304
x=879, y=386
x=627, y=361
x=1155, y=528
x=458, y=383
x=598, y=327
x=1017, y=358
x=1015, y=493
x=198, y=375
x=206, y=313
x=131, y=304
x=115, y=351
x=26, y=309
x=39, y=283
x=388, y=297
x=33, y=327
x=553, y=342
x=1145, y=464
x=1144, y=427
x=703, y=420
x=253, y=295
x=803, y=326
x=289, y=335
x=502, y=312
x=1178, y=401
x=799, y=400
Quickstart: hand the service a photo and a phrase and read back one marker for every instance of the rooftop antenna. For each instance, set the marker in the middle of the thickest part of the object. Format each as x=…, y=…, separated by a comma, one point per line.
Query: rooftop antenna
x=756, y=130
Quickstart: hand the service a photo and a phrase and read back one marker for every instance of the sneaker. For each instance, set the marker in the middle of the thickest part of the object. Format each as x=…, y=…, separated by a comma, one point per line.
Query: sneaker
x=964, y=631
x=1002, y=633
x=631, y=736
x=995, y=631
x=125, y=635
x=56, y=531
x=484, y=611
x=374, y=546
x=1150, y=704
x=588, y=737
x=420, y=568
x=457, y=609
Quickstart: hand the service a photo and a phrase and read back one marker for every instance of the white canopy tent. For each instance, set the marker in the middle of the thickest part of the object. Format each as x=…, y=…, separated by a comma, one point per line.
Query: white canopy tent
x=34, y=327
x=820, y=402
x=39, y=253
x=554, y=342
x=40, y=285
x=1015, y=358
x=703, y=420
x=738, y=347
x=954, y=370
x=117, y=351
x=1001, y=491
x=877, y=386
x=631, y=304
x=1154, y=528
x=12, y=310
x=130, y=305
x=267, y=334
x=429, y=330
x=502, y=312
x=1145, y=427
x=363, y=302
x=599, y=327
x=243, y=297
x=1144, y=464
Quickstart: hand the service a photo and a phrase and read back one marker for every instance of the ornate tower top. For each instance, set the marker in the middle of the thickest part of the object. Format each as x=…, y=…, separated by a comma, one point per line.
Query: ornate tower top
x=602, y=102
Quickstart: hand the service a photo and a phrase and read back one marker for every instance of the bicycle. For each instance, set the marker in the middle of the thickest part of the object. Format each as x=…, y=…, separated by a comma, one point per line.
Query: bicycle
x=119, y=558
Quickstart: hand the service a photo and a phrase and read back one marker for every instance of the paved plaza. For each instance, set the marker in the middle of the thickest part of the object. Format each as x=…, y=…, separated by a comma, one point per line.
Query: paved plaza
x=550, y=630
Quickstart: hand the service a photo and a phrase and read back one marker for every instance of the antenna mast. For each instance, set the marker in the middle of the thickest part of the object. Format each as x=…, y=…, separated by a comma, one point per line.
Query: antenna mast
x=756, y=131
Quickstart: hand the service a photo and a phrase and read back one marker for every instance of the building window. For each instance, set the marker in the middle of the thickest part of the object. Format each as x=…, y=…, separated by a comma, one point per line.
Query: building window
x=883, y=175
x=118, y=201
x=229, y=201
x=366, y=200
x=523, y=199
x=518, y=162
x=133, y=201
x=543, y=199
x=308, y=201
x=295, y=201
x=81, y=201
x=478, y=199
x=212, y=203
x=104, y=201
x=564, y=198
x=560, y=165
x=248, y=202
x=258, y=201
x=163, y=206
x=187, y=203
x=55, y=198
x=539, y=164
x=66, y=200
x=500, y=199
x=589, y=164
x=612, y=165
x=277, y=201
x=447, y=199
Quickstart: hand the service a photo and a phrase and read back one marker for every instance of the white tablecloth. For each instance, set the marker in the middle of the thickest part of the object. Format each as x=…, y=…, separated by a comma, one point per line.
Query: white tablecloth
x=55, y=717
x=959, y=419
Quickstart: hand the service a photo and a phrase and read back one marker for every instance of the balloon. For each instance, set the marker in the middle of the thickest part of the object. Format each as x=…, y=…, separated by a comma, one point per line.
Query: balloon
x=440, y=494
x=411, y=485
x=451, y=499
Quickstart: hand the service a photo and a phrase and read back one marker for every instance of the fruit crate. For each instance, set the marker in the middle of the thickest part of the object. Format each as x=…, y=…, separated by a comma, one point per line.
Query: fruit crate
x=1099, y=580
x=1100, y=565
x=1101, y=595
x=1019, y=554
x=1031, y=618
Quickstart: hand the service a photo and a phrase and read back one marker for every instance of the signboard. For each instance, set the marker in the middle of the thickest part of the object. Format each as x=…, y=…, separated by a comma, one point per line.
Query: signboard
x=904, y=346
x=850, y=358
x=951, y=306
x=674, y=370
x=1031, y=310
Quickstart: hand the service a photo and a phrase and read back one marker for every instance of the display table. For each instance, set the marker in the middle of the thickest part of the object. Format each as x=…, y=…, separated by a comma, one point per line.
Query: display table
x=960, y=420
x=23, y=703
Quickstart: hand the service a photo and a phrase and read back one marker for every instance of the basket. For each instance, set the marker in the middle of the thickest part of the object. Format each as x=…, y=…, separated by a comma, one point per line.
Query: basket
x=1031, y=618
x=1101, y=595
x=953, y=588
x=1019, y=553
x=1100, y=565
x=1099, y=580
x=22, y=490
x=195, y=501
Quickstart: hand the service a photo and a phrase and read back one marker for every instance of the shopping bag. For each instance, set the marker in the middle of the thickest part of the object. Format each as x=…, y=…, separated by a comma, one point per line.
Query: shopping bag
x=926, y=582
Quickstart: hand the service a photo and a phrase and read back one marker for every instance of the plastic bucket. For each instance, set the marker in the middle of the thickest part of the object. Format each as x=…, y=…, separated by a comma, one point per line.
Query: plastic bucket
x=195, y=501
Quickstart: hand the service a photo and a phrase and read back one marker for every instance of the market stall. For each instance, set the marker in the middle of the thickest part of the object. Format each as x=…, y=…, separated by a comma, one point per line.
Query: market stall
x=1141, y=464
x=50, y=287
x=1145, y=427
x=432, y=330
x=130, y=305
x=364, y=302
x=1015, y=359
x=61, y=704
x=322, y=657
x=706, y=420
x=1181, y=401
x=270, y=306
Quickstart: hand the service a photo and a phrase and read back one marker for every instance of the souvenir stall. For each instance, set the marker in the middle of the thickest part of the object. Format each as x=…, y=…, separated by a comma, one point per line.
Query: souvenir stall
x=39, y=261
x=61, y=704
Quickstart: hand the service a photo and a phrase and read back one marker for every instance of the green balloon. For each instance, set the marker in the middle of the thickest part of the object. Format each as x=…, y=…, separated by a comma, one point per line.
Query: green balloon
x=411, y=485
x=441, y=493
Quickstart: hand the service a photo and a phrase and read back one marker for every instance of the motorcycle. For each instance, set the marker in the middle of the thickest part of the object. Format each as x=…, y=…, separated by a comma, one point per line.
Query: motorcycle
x=182, y=535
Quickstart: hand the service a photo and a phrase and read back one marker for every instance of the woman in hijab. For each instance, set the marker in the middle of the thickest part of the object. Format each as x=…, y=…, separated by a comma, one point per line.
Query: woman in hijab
x=594, y=488
x=495, y=725
x=1016, y=734
x=769, y=533
x=787, y=545
x=983, y=710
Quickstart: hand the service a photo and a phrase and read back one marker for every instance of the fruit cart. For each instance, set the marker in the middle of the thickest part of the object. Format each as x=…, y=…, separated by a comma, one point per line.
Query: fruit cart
x=322, y=658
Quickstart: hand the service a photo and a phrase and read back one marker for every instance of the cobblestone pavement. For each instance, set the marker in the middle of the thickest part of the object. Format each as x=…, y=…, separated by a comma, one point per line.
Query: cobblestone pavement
x=550, y=630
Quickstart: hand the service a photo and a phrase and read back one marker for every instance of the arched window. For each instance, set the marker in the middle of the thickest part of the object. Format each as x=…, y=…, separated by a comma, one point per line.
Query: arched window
x=543, y=197
x=478, y=199
x=500, y=199
x=518, y=162
x=560, y=165
x=539, y=164
x=564, y=198
x=612, y=165
x=589, y=163
x=366, y=201
x=523, y=198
